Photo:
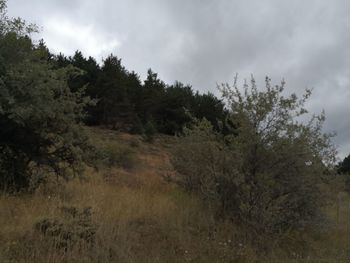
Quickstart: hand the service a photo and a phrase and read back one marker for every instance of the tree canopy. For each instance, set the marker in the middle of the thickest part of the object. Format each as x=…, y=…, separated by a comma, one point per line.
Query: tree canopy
x=39, y=114
x=125, y=103
x=344, y=166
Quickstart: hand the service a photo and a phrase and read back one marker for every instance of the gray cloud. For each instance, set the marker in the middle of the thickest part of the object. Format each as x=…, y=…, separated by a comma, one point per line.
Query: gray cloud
x=205, y=42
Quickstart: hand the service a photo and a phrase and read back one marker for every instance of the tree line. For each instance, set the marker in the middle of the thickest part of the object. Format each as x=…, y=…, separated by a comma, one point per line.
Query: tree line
x=126, y=103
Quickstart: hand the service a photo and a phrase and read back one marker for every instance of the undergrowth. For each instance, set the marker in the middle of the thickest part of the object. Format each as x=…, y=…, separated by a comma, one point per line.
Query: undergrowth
x=137, y=216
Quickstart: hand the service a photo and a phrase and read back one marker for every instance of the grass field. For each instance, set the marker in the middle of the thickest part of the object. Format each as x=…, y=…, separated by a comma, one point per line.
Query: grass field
x=131, y=211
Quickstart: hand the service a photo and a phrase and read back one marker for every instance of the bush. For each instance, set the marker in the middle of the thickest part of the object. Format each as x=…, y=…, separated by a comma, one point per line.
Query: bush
x=115, y=154
x=264, y=174
x=149, y=132
x=75, y=228
x=198, y=155
x=343, y=168
x=137, y=127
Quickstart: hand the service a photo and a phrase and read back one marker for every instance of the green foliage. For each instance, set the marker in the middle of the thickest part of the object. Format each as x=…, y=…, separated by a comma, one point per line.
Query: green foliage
x=39, y=115
x=110, y=153
x=210, y=107
x=265, y=173
x=200, y=153
x=114, y=154
x=74, y=228
x=137, y=127
x=149, y=132
x=123, y=103
x=17, y=25
x=343, y=168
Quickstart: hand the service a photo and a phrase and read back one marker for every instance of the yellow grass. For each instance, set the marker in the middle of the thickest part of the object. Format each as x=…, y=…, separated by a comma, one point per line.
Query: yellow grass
x=141, y=217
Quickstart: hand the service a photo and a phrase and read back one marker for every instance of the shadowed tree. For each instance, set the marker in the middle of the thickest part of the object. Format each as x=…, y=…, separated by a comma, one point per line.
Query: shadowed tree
x=344, y=166
x=39, y=115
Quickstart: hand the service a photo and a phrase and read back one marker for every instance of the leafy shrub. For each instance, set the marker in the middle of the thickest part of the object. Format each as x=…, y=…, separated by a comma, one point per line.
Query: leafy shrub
x=197, y=156
x=264, y=174
x=134, y=143
x=149, y=132
x=137, y=127
x=75, y=227
x=116, y=154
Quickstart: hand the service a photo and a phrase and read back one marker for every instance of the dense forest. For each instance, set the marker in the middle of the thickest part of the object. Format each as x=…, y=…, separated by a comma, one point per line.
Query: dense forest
x=97, y=165
x=124, y=102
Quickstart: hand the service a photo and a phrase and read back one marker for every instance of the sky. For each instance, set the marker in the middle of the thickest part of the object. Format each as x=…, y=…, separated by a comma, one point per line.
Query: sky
x=206, y=42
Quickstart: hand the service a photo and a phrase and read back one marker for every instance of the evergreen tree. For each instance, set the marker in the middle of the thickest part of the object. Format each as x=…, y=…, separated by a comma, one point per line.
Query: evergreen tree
x=176, y=105
x=210, y=107
x=344, y=166
x=39, y=115
x=152, y=93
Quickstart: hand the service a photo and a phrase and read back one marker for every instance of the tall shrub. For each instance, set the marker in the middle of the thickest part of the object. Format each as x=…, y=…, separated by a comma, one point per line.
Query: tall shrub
x=265, y=172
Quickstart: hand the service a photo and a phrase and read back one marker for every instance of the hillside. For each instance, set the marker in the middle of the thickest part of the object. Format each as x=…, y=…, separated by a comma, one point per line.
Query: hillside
x=138, y=214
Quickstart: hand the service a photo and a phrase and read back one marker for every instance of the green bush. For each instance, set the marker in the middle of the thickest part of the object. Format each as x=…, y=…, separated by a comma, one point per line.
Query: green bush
x=264, y=174
x=74, y=228
x=115, y=154
x=149, y=132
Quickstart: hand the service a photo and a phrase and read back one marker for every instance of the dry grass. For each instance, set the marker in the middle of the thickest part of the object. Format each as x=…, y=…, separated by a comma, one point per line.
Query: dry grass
x=140, y=217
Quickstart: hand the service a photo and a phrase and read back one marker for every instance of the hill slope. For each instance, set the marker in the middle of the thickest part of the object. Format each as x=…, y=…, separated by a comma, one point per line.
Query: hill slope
x=129, y=210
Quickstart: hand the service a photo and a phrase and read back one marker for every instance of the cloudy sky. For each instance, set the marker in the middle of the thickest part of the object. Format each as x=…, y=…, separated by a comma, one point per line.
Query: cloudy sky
x=204, y=42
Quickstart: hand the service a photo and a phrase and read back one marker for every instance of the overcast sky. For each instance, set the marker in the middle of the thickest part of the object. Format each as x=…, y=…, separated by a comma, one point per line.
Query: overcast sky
x=204, y=42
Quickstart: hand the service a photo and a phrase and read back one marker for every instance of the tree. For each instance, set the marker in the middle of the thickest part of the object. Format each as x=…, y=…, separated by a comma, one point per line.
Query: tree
x=39, y=115
x=17, y=25
x=265, y=173
x=116, y=89
x=210, y=107
x=344, y=166
x=174, y=107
